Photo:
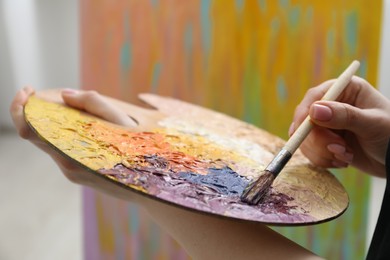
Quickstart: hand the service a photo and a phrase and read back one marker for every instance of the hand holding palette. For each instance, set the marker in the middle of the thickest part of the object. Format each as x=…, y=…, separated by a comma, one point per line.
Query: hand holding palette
x=190, y=157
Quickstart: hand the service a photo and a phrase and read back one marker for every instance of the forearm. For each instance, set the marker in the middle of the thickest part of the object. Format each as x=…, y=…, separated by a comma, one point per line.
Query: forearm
x=209, y=237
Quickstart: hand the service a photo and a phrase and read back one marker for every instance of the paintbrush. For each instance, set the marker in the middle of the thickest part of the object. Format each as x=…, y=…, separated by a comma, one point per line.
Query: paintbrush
x=256, y=190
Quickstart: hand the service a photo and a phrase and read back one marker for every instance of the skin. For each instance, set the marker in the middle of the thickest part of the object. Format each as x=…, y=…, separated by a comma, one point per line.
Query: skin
x=354, y=130
x=202, y=236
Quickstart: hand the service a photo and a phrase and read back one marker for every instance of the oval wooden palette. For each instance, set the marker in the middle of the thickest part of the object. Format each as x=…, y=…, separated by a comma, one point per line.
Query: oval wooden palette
x=190, y=157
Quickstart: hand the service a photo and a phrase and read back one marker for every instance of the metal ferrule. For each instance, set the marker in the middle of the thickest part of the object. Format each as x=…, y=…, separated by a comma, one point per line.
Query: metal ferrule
x=279, y=161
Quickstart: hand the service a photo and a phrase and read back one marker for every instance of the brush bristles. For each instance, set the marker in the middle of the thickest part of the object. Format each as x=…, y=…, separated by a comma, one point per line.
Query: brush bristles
x=257, y=189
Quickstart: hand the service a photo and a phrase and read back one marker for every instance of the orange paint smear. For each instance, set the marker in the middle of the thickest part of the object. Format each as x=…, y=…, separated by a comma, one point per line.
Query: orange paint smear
x=131, y=146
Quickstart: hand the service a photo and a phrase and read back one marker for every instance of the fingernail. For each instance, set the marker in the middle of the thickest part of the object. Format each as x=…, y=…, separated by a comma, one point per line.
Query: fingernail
x=321, y=113
x=291, y=129
x=69, y=91
x=348, y=157
x=336, y=148
x=339, y=164
x=345, y=157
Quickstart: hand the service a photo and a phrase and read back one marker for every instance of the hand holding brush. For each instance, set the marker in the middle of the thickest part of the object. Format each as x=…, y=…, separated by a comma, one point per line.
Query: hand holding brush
x=256, y=190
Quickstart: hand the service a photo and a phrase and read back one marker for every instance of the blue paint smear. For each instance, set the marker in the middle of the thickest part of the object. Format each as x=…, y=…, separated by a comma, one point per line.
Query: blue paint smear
x=188, y=47
x=284, y=3
x=282, y=90
x=119, y=254
x=154, y=2
x=205, y=22
x=331, y=40
x=156, y=76
x=188, y=39
x=240, y=4
x=351, y=27
x=363, y=68
x=224, y=180
x=263, y=5
x=125, y=57
x=133, y=220
x=293, y=17
x=316, y=247
x=125, y=52
x=252, y=92
x=154, y=242
x=275, y=25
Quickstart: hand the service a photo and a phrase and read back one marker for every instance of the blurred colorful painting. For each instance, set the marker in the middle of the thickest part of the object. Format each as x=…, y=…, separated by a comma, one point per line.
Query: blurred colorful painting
x=251, y=59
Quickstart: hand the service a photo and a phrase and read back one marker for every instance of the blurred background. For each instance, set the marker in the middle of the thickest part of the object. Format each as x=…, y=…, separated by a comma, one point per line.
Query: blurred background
x=40, y=215
x=252, y=59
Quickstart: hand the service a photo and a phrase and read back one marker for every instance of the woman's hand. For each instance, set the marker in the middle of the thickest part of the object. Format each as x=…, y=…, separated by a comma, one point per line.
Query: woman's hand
x=354, y=130
x=89, y=101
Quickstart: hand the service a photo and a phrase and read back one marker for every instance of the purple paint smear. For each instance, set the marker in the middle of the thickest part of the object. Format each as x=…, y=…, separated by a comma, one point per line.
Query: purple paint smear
x=218, y=192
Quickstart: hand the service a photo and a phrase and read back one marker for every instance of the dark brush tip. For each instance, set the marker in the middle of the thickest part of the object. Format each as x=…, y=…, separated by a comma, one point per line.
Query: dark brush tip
x=256, y=190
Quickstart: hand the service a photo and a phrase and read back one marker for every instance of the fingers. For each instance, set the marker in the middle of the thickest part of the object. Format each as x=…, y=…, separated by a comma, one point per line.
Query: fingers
x=336, y=115
x=96, y=104
x=360, y=112
x=325, y=145
x=326, y=148
x=16, y=111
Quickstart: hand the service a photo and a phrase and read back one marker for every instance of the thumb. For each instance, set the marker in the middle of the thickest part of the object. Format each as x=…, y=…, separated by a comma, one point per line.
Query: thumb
x=96, y=104
x=336, y=115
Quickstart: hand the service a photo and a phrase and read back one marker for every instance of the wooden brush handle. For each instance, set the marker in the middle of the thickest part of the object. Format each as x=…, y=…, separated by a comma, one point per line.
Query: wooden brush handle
x=333, y=92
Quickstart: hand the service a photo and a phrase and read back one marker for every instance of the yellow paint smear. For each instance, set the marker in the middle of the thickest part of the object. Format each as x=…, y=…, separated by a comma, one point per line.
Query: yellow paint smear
x=98, y=144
